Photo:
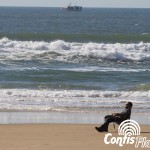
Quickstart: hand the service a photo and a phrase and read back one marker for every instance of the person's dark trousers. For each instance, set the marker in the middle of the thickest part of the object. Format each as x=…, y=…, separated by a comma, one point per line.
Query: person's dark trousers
x=108, y=119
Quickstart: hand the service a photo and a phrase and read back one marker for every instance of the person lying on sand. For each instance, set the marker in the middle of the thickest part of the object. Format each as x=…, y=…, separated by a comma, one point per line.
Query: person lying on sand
x=116, y=117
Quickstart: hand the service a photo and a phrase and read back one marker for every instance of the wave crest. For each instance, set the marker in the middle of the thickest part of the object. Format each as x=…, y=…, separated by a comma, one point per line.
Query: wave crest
x=74, y=52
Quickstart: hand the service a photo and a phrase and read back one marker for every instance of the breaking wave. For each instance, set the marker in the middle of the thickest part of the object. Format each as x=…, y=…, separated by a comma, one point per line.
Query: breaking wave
x=60, y=50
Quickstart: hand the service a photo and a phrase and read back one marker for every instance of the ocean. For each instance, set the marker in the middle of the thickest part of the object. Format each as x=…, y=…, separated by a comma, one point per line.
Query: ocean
x=89, y=61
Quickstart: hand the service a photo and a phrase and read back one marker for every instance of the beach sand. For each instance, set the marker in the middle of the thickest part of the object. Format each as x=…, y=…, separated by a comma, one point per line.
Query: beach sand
x=58, y=137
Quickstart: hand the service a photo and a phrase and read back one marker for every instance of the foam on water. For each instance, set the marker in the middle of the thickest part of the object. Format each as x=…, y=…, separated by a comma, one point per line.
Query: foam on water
x=70, y=100
x=37, y=61
x=73, y=52
x=103, y=69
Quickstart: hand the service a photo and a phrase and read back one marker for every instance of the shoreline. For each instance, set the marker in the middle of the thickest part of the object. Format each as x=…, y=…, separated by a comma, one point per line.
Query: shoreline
x=53, y=117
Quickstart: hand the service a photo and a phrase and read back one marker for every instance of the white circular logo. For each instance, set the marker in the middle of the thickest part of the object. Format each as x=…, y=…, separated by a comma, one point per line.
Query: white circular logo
x=129, y=128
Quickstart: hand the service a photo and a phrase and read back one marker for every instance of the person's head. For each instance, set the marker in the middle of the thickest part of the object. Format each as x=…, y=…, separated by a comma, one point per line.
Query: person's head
x=129, y=105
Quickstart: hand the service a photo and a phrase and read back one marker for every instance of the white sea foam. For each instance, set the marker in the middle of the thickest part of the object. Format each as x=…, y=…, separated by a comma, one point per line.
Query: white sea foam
x=75, y=52
x=43, y=100
x=102, y=69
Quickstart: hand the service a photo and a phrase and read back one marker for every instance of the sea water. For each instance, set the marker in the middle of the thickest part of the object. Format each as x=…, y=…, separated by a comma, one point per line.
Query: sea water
x=89, y=61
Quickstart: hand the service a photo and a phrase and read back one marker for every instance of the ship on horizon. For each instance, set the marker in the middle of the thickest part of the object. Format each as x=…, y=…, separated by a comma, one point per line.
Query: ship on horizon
x=72, y=8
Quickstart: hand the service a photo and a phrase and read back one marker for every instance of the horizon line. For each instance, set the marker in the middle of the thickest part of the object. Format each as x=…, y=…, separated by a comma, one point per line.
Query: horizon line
x=82, y=6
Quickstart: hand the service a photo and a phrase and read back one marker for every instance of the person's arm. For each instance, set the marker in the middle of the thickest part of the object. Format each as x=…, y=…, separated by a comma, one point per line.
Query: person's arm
x=124, y=115
x=117, y=114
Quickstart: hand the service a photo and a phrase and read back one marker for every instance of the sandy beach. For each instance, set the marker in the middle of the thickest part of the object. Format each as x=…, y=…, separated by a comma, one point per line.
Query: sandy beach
x=58, y=137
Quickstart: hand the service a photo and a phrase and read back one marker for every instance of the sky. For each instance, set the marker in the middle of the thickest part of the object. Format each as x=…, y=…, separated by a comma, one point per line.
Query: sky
x=84, y=3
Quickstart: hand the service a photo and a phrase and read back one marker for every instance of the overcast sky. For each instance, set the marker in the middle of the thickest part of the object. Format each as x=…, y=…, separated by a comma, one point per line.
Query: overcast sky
x=84, y=3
